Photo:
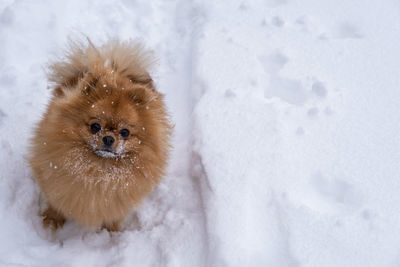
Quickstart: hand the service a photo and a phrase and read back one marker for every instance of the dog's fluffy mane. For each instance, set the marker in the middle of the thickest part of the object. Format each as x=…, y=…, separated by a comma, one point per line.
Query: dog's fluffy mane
x=126, y=58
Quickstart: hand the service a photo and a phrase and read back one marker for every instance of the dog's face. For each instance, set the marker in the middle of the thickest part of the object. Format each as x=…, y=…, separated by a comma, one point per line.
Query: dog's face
x=111, y=121
x=111, y=127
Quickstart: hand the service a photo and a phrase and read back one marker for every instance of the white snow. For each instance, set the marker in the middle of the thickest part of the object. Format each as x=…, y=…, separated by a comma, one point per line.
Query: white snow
x=286, y=143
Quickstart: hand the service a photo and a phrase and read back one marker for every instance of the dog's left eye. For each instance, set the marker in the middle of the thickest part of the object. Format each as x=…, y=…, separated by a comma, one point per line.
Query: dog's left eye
x=124, y=133
x=95, y=127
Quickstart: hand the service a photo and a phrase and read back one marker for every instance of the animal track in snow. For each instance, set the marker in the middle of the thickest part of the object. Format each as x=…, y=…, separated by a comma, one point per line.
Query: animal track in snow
x=229, y=93
x=2, y=116
x=319, y=89
x=274, y=62
x=277, y=21
x=312, y=113
x=335, y=190
x=244, y=6
x=289, y=90
x=275, y=3
x=347, y=30
x=7, y=16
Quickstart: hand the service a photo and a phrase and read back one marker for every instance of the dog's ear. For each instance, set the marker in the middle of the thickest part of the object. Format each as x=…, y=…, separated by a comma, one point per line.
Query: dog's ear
x=66, y=72
x=142, y=95
x=85, y=85
x=144, y=80
x=58, y=92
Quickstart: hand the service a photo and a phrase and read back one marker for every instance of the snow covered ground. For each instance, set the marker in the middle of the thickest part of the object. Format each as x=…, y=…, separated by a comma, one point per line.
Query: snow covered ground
x=286, y=144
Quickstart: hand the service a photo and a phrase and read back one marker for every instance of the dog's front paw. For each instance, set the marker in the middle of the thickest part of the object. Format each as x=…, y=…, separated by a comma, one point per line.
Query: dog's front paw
x=52, y=219
x=112, y=227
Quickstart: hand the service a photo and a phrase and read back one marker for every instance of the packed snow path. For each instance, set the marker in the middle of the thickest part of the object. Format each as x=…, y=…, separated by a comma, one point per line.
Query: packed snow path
x=286, y=143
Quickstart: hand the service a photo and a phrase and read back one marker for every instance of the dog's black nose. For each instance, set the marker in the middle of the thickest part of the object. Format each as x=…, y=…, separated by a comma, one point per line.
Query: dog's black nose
x=108, y=140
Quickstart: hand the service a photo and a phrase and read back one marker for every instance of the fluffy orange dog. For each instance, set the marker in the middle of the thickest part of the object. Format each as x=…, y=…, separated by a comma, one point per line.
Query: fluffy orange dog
x=103, y=142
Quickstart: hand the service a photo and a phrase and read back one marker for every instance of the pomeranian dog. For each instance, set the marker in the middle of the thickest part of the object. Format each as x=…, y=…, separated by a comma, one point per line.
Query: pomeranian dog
x=104, y=140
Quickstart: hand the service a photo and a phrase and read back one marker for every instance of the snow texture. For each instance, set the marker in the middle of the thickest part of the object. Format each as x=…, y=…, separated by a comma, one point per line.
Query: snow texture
x=286, y=142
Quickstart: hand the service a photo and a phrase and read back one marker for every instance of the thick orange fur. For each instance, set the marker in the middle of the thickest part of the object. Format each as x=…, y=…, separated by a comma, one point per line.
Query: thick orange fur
x=109, y=85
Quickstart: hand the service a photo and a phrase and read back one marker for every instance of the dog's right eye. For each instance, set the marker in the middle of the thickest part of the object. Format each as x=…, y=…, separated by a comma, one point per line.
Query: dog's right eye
x=95, y=127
